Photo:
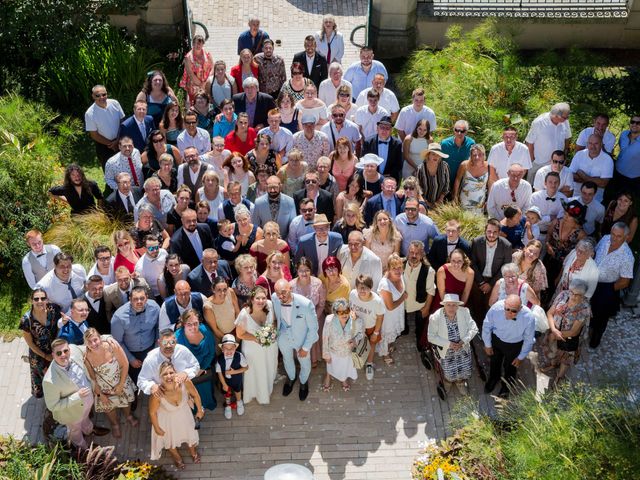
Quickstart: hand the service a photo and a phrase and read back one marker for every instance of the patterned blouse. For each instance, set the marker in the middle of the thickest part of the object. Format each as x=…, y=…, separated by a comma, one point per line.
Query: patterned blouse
x=335, y=338
x=434, y=186
x=539, y=280
x=565, y=316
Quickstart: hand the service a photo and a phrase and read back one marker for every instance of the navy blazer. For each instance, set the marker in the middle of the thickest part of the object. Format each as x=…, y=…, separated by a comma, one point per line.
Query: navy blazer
x=181, y=245
x=129, y=128
x=319, y=69
x=115, y=207
x=200, y=282
x=307, y=248
x=264, y=103
x=438, y=252
x=394, y=164
x=375, y=203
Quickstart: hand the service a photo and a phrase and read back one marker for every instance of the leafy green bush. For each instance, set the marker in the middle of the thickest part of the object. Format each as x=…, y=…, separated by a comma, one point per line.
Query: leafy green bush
x=32, y=142
x=575, y=433
x=106, y=57
x=481, y=76
x=471, y=224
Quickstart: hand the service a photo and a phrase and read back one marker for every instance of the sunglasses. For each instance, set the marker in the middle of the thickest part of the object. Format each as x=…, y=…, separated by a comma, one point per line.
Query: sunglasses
x=558, y=162
x=512, y=310
x=410, y=209
x=190, y=123
x=310, y=182
x=409, y=188
x=102, y=95
x=64, y=351
x=632, y=122
x=158, y=140
x=168, y=343
x=459, y=130
x=153, y=249
x=337, y=115
x=39, y=299
x=344, y=95
x=343, y=312
x=306, y=210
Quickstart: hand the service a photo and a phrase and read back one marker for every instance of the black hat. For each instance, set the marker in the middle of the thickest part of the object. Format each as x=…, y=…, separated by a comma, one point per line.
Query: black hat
x=386, y=120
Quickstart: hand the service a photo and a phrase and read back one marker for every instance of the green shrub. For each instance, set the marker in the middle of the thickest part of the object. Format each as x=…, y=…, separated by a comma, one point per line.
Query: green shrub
x=481, y=76
x=105, y=57
x=32, y=142
x=471, y=224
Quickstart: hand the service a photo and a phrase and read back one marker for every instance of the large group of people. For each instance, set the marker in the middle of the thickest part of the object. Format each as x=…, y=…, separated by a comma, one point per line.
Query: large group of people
x=277, y=220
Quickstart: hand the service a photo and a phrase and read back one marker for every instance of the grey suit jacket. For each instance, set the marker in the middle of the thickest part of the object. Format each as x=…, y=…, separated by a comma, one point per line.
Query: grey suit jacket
x=112, y=298
x=61, y=394
x=286, y=213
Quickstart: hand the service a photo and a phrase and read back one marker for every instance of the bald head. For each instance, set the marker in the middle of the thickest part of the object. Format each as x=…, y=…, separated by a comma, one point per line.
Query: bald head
x=283, y=291
x=183, y=292
x=512, y=306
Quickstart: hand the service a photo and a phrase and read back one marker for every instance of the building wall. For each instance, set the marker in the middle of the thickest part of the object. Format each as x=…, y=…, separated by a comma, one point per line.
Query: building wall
x=161, y=19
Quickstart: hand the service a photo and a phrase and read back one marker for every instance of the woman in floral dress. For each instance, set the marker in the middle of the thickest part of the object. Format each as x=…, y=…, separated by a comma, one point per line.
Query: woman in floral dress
x=198, y=65
x=470, y=186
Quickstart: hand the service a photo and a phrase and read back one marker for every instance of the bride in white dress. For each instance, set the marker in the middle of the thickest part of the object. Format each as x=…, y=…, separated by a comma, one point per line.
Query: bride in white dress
x=262, y=360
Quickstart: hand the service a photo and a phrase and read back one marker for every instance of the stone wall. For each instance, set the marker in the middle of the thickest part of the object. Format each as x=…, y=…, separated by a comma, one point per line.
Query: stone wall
x=398, y=26
x=162, y=19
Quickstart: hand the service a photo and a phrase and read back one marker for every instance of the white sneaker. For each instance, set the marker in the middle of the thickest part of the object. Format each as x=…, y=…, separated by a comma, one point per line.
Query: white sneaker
x=227, y=413
x=369, y=371
x=240, y=407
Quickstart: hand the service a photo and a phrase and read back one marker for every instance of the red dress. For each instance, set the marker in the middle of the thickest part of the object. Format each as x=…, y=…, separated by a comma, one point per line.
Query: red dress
x=233, y=143
x=236, y=73
x=123, y=261
x=261, y=258
x=451, y=285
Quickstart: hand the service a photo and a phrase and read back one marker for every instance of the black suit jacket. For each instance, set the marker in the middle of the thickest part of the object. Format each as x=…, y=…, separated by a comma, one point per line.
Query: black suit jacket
x=375, y=203
x=393, y=167
x=438, y=252
x=324, y=202
x=479, y=258
x=98, y=320
x=200, y=281
x=116, y=208
x=264, y=103
x=181, y=245
x=319, y=70
x=129, y=128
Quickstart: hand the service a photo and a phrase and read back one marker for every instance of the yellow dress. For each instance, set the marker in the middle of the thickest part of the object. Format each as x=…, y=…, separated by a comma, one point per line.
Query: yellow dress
x=342, y=291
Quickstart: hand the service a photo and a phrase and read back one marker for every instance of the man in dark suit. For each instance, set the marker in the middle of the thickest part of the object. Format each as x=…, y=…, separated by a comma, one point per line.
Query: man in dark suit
x=138, y=126
x=387, y=147
x=322, y=199
x=263, y=103
x=119, y=293
x=314, y=63
x=120, y=203
x=211, y=267
x=489, y=252
x=320, y=244
x=443, y=245
x=97, y=317
x=385, y=200
x=190, y=240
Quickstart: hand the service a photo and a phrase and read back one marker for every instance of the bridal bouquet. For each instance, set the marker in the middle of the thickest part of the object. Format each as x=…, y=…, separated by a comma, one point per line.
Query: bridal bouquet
x=266, y=335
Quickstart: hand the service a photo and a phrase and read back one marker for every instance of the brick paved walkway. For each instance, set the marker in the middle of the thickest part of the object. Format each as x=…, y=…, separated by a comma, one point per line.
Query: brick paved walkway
x=287, y=21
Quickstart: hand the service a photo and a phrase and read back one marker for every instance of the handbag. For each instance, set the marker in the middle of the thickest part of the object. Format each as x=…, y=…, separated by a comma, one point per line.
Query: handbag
x=360, y=353
x=205, y=377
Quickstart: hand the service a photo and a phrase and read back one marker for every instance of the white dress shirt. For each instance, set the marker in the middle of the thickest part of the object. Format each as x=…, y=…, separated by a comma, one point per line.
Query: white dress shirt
x=368, y=264
x=369, y=121
x=600, y=167
x=59, y=292
x=163, y=320
x=182, y=359
x=549, y=209
x=500, y=197
x=547, y=137
x=26, y=265
x=151, y=268
x=490, y=253
x=409, y=118
x=322, y=251
x=388, y=100
x=608, y=141
x=109, y=278
x=501, y=159
x=566, y=178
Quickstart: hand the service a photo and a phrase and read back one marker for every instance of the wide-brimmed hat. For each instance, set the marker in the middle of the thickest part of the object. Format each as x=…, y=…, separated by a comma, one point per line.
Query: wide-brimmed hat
x=451, y=298
x=575, y=209
x=321, y=219
x=228, y=338
x=434, y=148
x=369, y=159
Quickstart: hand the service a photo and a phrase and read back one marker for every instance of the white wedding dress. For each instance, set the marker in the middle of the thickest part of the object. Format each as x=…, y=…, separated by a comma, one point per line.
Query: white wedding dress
x=262, y=361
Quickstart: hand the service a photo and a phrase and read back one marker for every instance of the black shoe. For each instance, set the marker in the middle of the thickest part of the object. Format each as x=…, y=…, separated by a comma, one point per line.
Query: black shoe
x=100, y=431
x=288, y=387
x=304, y=391
x=405, y=331
x=489, y=387
x=504, y=392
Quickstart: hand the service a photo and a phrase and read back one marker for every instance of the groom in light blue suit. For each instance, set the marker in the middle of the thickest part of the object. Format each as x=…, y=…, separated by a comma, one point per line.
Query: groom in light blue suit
x=297, y=332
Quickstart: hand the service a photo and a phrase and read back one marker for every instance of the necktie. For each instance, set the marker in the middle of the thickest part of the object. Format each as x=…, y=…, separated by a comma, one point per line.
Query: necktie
x=412, y=224
x=322, y=244
x=134, y=175
x=329, y=53
x=513, y=196
x=143, y=130
x=551, y=199
x=383, y=143
x=71, y=290
x=129, y=204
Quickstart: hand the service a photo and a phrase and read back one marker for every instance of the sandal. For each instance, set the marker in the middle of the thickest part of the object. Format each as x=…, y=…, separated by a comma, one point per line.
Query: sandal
x=179, y=464
x=388, y=360
x=196, y=457
x=346, y=387
x=392, y=348
x=133, y=421
x=326, y=388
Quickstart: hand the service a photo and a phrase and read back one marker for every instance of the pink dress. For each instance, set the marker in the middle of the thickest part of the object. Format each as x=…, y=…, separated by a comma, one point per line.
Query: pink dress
x=178, y=424
x=382, y=250
x=201, y=68
x=342, y=178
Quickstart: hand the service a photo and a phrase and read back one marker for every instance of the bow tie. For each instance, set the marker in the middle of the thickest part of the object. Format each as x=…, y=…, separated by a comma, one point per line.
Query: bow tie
x=322, y=244
x=286, y=305
x=308, y=224
x=383, y=143
x=453, y=244
x=411, y=223
x=551, y=198
x=41, y=255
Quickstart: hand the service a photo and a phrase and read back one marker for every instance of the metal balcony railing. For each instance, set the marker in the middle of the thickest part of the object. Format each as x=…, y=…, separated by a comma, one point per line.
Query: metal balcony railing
x=578, y=9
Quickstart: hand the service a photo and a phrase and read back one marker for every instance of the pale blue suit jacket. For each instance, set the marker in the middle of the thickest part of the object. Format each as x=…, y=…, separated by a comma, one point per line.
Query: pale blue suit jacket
x=286, y=213
x=303, y=331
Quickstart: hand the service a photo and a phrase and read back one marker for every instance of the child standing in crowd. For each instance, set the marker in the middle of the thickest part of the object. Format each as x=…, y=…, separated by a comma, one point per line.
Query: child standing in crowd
x=531, y=227
x=226, y=243
x=230, y=367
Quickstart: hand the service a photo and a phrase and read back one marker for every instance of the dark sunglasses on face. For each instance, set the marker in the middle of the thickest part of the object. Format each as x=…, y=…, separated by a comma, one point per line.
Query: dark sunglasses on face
x=459, y=130
x=39, y=299
x=154, y=248
x=558, y=162
x=64, y=351
x=635, y=122
x=512, y=310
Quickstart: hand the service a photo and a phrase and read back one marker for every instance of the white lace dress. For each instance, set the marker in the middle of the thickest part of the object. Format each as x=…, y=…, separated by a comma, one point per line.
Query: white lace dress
x=393, y=322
